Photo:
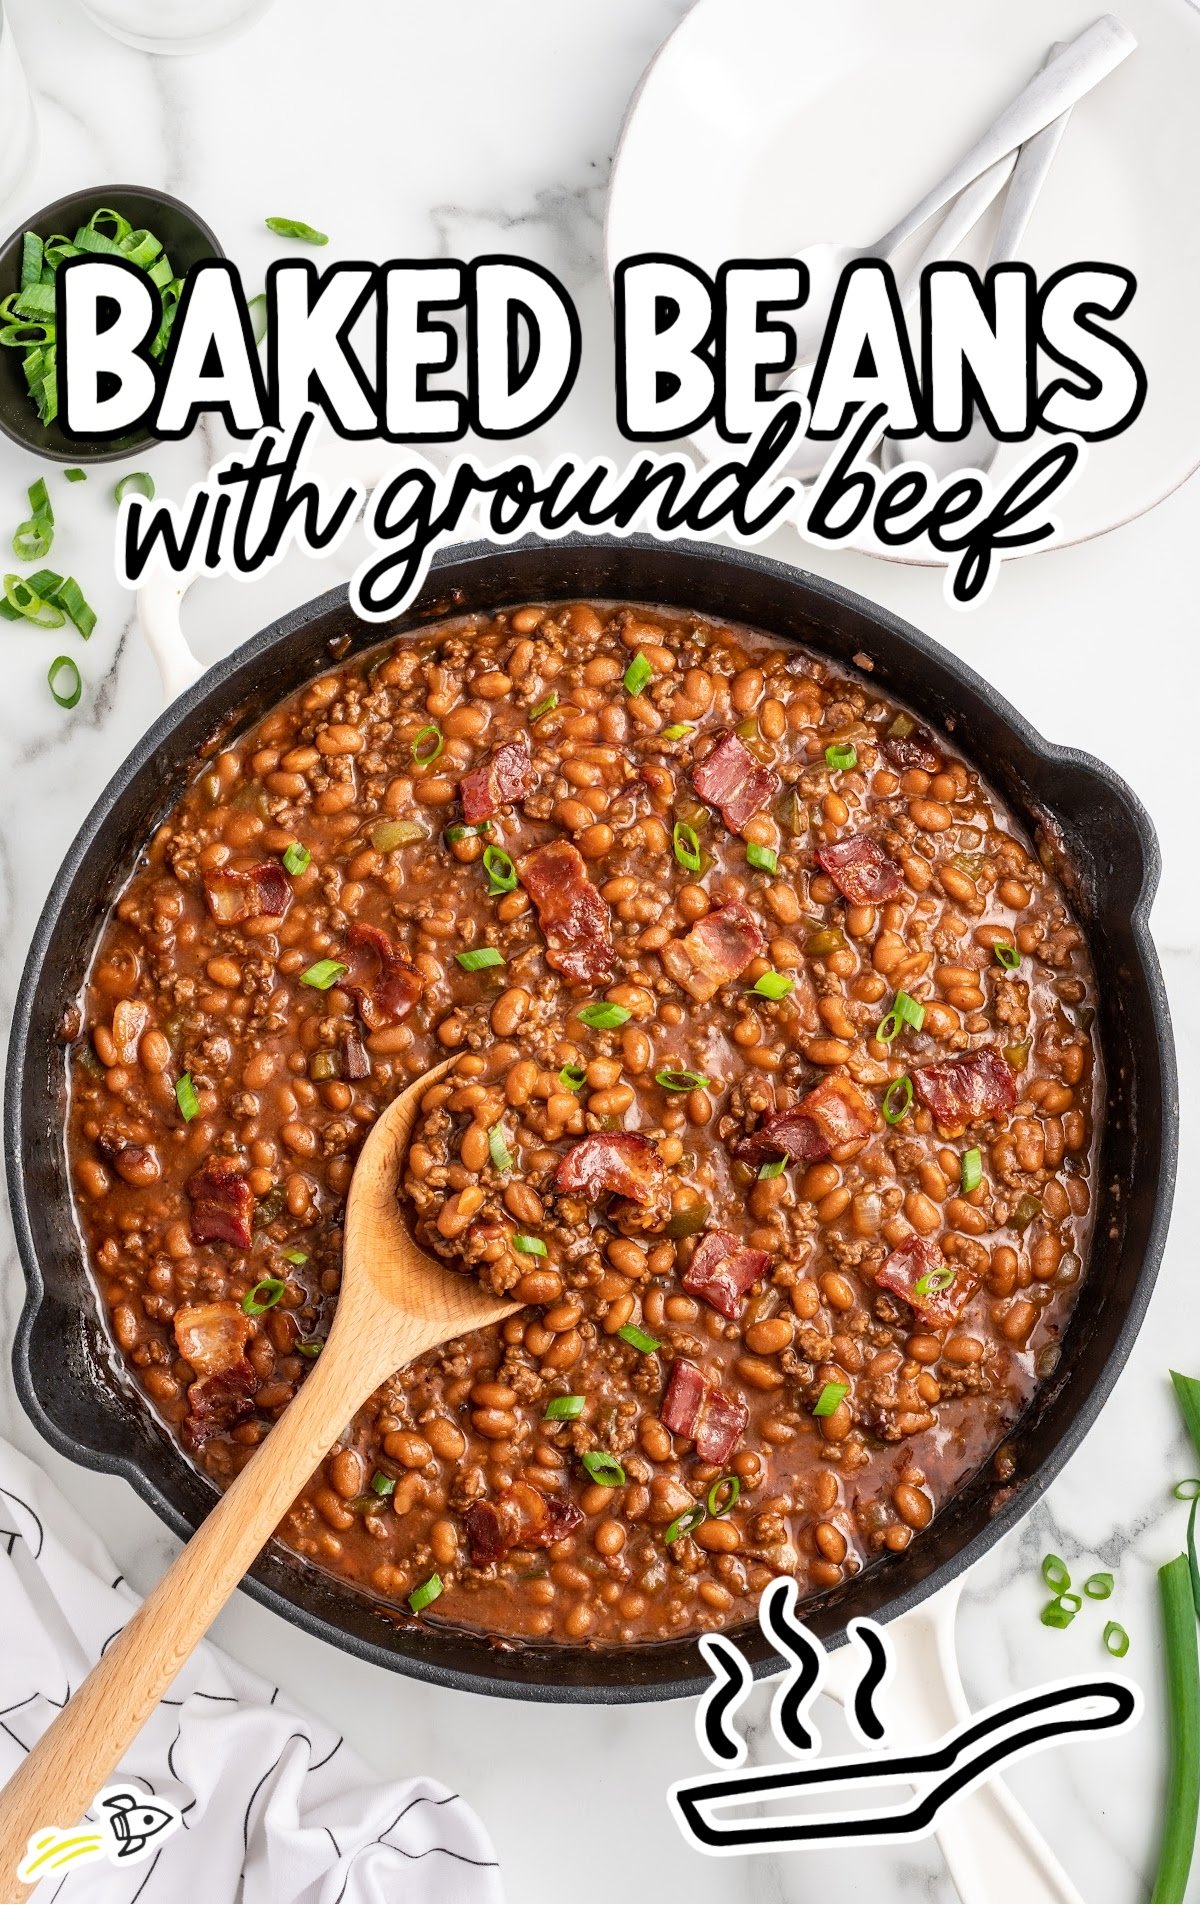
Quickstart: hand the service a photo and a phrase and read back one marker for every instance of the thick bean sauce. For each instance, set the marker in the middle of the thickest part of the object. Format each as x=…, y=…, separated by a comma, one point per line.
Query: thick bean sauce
x=775, y=1103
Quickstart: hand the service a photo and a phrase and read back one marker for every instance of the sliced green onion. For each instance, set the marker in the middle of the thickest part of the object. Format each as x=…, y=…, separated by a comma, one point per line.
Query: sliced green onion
x=563, y=1408
x=185, y=1097
x=905, y=1011
x=311, y=1349
x=972, y=1169
x=638, y=1339
x=75, y=476
x=39, y=499
x=934, y=1280
x=764, y=858
x=256, y=310
x=723, y=1495
x=502, y=874
x=1183, y=1724
x=31, y=541
x=63, y=665
x=841, y=757
x=501, y=1156
x=571, y=1077
x=479, y=959
x=135, y=483
x=296, y=228
x=428, y=1591
x=603, y=1016
x=427, y=744
x=1098, y=1587
x=829, y=1398
x=544, y=705
x=294, y=1256
x=1055, y=1573
x=897, y=1100
x=638, y=674
x=1187, y=1395
x=685, y=1523
x=604, y=1468
x=1006, y=955
x=22, y=599
x=677, y=730
x=31, y=259
x=528, y=1246
x=1072, y=1602
x=70, y=598
x=453, y=835
x=297, y=859
x=1116, y=1642
x=685, y=842
x=264, y=1296
x=1054, y=1614
x=323, y=974
x=681, y=1081
x=382, y=1485
x=775, y=1167
x=773, y=985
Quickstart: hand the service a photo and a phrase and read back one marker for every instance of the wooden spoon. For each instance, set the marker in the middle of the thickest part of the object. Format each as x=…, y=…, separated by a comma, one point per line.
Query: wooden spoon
x=394, y=1304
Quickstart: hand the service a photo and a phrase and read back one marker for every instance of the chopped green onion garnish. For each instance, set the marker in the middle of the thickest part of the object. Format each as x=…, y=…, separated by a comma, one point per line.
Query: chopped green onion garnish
x=544, y=705
x=603, y=1468
x=296, y=228
x=1116, y=1642
x=479, y=958
x=829, y=1398
x=1007, y=954
x=723, y=1495
x=264, y=1296
x=382, y=1484
x=502, y=874
x=638, y=1339
x=638, y=674
x=70, y=598
x=972, y=1169
x=428, y=1591
x=185, y=1097
x=1098, y=1587
x=75, y=476
x=294, y=1256
x=905, y=1011
x=297, y=859
x=453, y=835
x=1054, y=1614
x=32, y=540
x=764, y=858
x=603, y=1016
x=571, y=1077
x=841, y=757
x=529, y=1246
x=311, y=1349
x=934, y=1280
x=681, y=1081
x=686, y=844
x=60, y=666
x=323, y=974
x=773, y=985
x=21, y=598
x=775, y=1167
x=1055, y=1574
x=497, y=1145
x=135, y=483
x=563, y=1408
x=685, y=1523
x=897, y=1100
x=677, y=730
x=427, y=744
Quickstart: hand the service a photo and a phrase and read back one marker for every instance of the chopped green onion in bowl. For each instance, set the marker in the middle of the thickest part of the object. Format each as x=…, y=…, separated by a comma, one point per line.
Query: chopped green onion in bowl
x=185, y=1097
x=603, y=1468
x=638, y=675
x=322, y=974
x=479, y=958
x=429, y=1590
x=773, y=985
x=830, y=1398
x=764, y=858
x=528, y=1246
x=638, y=1339
x=563, y=1409
x=296, y=859
x=264, y=1296
x=681, y=1080
x=603, y=1016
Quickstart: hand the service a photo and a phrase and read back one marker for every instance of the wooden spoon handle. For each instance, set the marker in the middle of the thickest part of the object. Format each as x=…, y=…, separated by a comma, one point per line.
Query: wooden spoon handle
x=60, y=1777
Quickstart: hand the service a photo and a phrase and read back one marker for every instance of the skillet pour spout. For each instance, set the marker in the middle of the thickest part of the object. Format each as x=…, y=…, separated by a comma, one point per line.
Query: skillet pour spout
x=1078, y=811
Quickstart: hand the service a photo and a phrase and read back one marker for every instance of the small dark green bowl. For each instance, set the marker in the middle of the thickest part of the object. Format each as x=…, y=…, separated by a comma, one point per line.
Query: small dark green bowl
x=186, y=239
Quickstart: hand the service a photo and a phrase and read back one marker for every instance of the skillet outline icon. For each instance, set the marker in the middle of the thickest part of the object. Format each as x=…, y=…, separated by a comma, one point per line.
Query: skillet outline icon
x=935, y=1775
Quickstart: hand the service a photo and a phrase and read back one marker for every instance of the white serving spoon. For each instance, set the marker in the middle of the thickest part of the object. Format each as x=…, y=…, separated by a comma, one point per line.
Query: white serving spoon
x=1080, y=64
x=979, y=448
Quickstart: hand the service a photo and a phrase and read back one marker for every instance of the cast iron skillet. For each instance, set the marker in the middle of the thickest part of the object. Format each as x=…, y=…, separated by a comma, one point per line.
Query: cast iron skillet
x=67, y=1374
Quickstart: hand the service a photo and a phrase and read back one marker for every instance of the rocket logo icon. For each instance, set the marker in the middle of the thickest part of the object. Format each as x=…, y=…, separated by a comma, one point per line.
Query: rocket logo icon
x=129, y=1827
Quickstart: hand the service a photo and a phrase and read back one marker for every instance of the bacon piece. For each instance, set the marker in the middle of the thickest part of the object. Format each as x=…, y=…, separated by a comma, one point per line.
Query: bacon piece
x=712, y=1417
x=722, y=1271
x=619, y=1161
x=860, y=869
x=717, y=948
x=234, y=896
x=573, y=918
x=506, y=775
x=520, y=1517
x=218, y=1403
x=731, y=780
x=356, y=1061
x=397, y=985
x=965, y=1090
x=919, y=1257
x=914, y=749
x=222, y=1206
x=835, y=1112
x=212, y=1336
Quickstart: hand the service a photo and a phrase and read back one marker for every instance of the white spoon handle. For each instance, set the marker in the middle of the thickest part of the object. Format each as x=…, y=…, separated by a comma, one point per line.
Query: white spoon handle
x=1061, y=83
x=1029, y=175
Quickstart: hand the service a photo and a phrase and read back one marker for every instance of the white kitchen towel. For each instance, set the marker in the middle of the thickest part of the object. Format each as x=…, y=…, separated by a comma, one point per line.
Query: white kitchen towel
x=275, y=1807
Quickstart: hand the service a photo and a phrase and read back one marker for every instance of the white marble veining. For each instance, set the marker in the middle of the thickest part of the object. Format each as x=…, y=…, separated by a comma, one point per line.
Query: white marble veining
x=456, y=129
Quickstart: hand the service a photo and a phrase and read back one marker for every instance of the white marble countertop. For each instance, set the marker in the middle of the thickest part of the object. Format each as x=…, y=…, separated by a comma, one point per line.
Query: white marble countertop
x=331, y=115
